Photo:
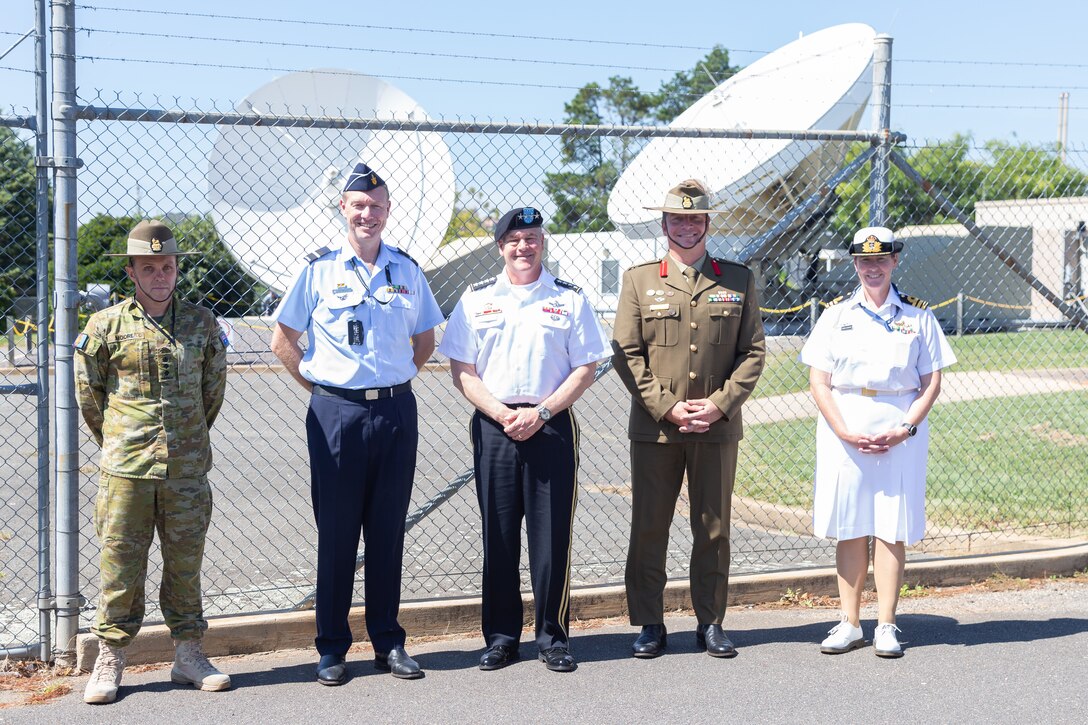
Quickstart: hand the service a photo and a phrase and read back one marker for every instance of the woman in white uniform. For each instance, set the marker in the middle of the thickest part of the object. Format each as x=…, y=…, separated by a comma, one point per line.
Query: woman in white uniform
x=875, y=362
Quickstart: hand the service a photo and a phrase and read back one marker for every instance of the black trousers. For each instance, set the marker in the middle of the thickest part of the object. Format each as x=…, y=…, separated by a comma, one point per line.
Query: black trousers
x=362, y=466
x=534, y=480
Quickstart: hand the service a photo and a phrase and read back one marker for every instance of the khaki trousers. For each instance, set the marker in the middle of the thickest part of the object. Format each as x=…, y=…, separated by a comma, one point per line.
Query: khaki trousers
x=657, y=470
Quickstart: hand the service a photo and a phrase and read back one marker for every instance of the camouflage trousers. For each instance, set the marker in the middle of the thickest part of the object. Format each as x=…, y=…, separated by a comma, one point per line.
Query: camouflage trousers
x=127, y=513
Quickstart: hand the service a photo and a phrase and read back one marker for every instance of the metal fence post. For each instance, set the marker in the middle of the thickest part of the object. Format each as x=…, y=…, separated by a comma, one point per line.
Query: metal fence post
x=65, y=163
x=11, y=340
x=882, y=118
x=41, y=225
x=959, y=314
x=813, y=313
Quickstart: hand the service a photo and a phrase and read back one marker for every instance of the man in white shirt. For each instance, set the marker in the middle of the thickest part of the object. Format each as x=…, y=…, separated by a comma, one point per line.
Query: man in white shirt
x=523, y=347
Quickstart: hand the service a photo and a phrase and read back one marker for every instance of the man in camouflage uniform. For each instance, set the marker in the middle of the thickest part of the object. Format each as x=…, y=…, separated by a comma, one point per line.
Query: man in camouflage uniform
x=150, y=375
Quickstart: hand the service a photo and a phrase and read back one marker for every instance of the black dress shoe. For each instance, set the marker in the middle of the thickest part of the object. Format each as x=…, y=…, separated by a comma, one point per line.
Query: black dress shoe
x=711, y=637
x=398, y=663
x=498, y=656
x=651, y=642
x=558, y=659
x=331, y=670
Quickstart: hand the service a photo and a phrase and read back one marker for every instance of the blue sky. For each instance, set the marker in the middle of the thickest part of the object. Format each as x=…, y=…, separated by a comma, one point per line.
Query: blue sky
x=994, y=70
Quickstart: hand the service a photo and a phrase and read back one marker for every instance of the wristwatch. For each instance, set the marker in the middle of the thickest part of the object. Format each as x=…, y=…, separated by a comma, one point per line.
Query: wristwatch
x=912, y=430
x=544, y=413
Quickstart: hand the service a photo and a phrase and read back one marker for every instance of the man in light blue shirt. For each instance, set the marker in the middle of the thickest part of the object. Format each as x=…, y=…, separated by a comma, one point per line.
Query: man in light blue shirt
x=369, y=317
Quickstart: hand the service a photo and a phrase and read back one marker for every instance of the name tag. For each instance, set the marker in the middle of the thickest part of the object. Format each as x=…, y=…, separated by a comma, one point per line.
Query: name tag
x=659, y=307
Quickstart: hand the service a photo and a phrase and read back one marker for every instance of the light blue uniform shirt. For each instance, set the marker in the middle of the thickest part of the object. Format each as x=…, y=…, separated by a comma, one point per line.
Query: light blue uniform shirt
x=524, y=340
x=330, y=292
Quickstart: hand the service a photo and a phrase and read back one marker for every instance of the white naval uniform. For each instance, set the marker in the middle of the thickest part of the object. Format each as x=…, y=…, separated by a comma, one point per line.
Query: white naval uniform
x=859, y=494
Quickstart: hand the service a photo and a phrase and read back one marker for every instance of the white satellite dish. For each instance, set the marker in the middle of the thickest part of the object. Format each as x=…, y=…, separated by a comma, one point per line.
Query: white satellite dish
x=822, y=80
x=275, y=190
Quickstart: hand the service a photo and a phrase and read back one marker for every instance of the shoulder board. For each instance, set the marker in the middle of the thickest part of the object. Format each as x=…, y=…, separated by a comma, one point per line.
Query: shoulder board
x=914, y=301
x=568, y=285
x=836, y=301
x=647, y=262
x=484, y=283
x=405, y=254
x=317, y=254
x=730, y=261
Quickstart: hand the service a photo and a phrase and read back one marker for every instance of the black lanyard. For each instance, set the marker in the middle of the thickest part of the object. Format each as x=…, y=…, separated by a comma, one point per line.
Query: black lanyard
x=369, y=295
x=158, y=325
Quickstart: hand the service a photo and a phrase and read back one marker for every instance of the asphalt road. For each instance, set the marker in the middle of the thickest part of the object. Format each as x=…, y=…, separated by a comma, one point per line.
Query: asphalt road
x=993, y=657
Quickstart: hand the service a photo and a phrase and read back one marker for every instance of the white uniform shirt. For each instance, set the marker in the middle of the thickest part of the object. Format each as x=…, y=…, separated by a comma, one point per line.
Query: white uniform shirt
x=330, y=293
x=860, y=352
x=524, y=339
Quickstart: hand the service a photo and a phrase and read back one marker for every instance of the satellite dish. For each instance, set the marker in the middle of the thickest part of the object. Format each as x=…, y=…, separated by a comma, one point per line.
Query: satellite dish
x=275, y=190
x=822, y=80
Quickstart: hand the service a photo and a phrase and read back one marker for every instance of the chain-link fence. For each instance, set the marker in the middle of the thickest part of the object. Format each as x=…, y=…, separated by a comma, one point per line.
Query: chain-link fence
x=20, y=514
x=1008, y=455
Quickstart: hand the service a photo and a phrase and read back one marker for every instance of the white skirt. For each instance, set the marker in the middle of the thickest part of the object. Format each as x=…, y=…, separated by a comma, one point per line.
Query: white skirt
x=868, y=494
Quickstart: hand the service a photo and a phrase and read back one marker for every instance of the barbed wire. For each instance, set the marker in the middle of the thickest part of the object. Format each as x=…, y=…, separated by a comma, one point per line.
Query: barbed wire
x=17, y=70
x=393, y=51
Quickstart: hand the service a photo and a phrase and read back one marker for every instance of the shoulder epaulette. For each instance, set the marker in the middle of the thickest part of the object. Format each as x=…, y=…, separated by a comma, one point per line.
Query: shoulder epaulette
x=317, y=254
x=483, y=283
x=914, y=301
x=404, y=253
x=836, y=301
x=648, y=261
x=733, y=262
x=568, y=285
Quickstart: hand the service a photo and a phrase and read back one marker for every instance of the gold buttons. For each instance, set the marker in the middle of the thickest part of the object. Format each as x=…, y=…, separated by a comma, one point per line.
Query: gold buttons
x=694, y=325
x=694, y=303
x=691, y=375
x=695, y=348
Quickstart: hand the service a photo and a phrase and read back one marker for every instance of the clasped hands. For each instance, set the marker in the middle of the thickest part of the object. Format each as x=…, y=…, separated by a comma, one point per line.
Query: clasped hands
x=694, y=416
x=519, y=423
x=876, y=443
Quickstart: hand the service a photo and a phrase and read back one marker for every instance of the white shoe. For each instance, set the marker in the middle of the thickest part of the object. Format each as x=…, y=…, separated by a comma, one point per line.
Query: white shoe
x=191, y=667
x=885, y=643
x=843, y=637
x=106, y=675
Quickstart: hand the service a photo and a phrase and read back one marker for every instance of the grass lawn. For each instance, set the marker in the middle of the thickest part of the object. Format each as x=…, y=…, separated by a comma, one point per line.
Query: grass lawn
x=993, y=351
x=998, y=463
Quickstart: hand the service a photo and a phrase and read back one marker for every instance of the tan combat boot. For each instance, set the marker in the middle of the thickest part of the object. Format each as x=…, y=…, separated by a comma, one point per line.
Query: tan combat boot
x=106, y=675
x=191, y=667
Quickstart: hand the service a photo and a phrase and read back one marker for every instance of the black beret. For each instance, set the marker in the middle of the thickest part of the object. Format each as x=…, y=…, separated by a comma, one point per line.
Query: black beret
x=363, y=178
x=521, y=218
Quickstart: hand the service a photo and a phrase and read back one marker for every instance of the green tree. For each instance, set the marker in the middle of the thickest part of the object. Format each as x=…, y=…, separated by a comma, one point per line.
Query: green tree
x=1001, y=171
x=473, y=216
x=18, y=244
x=592, y=164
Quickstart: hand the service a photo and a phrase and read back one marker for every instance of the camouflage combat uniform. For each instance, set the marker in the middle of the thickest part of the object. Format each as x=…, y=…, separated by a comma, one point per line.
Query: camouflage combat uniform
x=149, y=392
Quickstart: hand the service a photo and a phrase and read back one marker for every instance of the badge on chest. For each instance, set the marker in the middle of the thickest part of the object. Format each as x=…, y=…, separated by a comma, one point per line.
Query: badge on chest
x=355, y=332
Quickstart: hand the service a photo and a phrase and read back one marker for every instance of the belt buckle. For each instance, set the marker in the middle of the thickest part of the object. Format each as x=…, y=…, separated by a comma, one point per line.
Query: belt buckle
x=371, y=394
x=869, y=392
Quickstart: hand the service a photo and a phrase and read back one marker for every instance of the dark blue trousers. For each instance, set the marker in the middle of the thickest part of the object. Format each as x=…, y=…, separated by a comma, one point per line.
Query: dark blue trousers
x=362, y=465
x=534, y=480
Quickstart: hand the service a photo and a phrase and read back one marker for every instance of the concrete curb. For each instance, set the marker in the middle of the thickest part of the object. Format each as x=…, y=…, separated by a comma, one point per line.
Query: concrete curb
x=289, y=630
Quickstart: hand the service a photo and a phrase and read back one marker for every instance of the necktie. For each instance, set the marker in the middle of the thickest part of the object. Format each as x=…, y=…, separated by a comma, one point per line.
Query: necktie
x=692, y=276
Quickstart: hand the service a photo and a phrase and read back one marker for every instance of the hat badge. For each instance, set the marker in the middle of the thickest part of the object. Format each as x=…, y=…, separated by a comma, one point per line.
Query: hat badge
x=156, y=245
x=527, y=215
x=687, y=202
x=373, y=180
x=870, y=245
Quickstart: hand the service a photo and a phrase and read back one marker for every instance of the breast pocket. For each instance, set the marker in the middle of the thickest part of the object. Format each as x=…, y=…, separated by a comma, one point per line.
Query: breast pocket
x=661, y=327
x=724, y=323
x=401, y=314
x=130, y=364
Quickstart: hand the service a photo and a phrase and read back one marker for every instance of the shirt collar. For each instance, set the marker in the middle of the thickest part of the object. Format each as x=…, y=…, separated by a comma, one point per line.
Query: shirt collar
x=546, y=279
x=858, y=298
x=347, y=253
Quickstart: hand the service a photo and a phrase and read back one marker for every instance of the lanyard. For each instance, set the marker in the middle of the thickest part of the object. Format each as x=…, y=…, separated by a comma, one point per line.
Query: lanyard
x=887, y=324
x=158, y=326
x=388, y=281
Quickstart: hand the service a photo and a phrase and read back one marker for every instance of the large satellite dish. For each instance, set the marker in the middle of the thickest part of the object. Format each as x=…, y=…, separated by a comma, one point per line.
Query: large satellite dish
x=822, y=81
x=275, y=190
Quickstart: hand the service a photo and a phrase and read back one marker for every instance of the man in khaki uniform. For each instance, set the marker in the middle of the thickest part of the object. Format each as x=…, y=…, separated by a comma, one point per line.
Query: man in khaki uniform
x=689, y=346
x=150, y=376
